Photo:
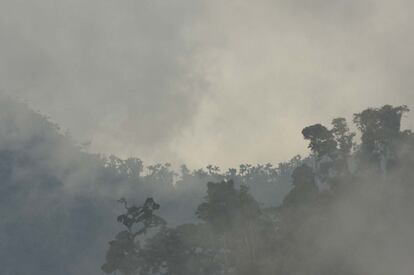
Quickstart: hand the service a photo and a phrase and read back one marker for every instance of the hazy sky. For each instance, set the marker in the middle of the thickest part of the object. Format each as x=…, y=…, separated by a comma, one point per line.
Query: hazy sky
x=201, y=82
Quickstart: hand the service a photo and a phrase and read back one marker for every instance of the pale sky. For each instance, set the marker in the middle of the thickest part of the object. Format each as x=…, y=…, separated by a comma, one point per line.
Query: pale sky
x=199, y=82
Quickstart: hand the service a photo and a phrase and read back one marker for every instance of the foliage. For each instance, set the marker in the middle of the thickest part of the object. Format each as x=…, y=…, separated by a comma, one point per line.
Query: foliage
x=336, y=219
x=344, y=209
x=124, y=253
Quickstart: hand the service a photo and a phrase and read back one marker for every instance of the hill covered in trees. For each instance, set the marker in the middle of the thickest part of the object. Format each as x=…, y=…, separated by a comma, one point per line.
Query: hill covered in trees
x=57, y=202
x=349, y=212
x=346, y=208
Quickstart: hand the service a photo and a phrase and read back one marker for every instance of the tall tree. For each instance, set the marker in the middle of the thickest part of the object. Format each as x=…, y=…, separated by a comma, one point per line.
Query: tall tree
x=125, y=253
x=322, y=140
x=234, y=216
x=381, y=130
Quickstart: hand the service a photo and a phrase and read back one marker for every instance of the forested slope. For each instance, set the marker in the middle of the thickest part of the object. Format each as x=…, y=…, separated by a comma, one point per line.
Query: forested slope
x=57, y=202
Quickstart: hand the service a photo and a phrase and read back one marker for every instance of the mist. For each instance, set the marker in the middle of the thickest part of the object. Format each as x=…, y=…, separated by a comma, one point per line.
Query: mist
x=215, y=120
x=189, y=76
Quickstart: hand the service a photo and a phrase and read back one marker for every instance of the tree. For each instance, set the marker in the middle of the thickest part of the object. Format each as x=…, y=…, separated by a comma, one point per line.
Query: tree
x=125, y=253
x=235, y=217
x=322, y=140
x=381, y=130
x=343, y=136
x=304, y=187
x=345, y=141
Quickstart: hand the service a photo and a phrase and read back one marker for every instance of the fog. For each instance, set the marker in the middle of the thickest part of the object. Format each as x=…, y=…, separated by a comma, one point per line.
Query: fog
x=211, y=122
x=163, y=80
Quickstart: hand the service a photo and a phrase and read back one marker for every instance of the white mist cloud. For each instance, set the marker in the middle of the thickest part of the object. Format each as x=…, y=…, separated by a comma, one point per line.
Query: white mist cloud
x=204, y=82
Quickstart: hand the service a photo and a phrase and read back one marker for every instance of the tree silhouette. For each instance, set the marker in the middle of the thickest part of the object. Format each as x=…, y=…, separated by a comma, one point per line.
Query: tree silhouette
x=125, y=253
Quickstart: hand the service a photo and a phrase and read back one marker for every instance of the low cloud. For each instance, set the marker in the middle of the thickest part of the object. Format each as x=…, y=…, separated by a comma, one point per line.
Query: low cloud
x=202, y=82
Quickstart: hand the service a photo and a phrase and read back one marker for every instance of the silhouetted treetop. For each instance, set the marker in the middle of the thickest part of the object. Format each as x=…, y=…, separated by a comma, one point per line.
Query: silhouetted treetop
x=322, y=140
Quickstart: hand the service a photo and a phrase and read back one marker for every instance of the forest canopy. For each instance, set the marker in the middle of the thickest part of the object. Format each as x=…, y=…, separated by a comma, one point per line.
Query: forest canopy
x=349, y=211
x=346, y=208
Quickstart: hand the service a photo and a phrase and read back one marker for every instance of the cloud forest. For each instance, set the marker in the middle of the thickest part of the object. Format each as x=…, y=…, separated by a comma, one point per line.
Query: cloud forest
x=343, y=208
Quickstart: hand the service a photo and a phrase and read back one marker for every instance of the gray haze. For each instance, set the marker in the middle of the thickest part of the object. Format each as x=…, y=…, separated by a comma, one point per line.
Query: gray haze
x=204, y=81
